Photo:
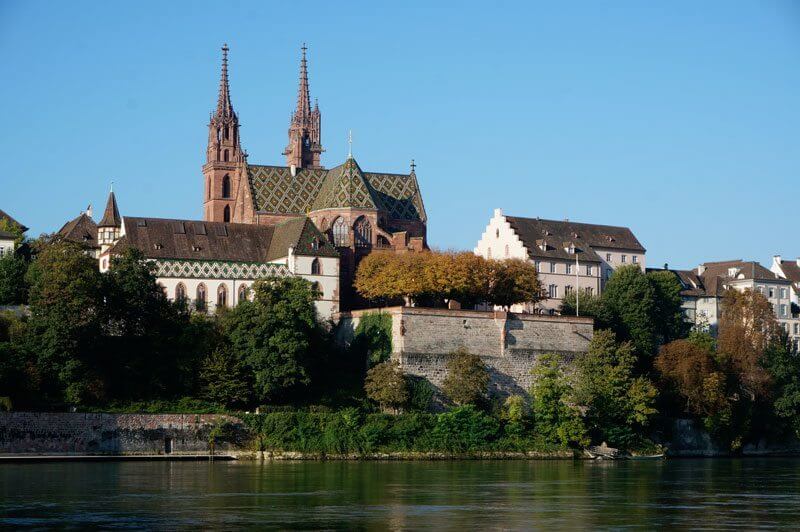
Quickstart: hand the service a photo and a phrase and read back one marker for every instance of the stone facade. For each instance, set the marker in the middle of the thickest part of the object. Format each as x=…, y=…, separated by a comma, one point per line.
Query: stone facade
x=143, y=434
x=509, y=344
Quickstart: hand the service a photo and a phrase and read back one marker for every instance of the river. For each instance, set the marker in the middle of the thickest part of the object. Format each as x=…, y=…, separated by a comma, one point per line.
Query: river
x=709, y=494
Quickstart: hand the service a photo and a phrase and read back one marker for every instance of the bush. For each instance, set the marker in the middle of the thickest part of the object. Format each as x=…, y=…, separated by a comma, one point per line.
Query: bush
x=467, y=378
x=373, y=337
x=464, y=429
x=386, y=385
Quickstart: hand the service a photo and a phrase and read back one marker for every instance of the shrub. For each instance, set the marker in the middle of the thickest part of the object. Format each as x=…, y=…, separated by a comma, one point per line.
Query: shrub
x=386, y=385
x=467, y=378
x=464, y=429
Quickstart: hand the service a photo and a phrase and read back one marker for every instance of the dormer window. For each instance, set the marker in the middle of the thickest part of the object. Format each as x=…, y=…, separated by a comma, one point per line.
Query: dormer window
x=157, y=246
x=732, y=272
x=196, y=248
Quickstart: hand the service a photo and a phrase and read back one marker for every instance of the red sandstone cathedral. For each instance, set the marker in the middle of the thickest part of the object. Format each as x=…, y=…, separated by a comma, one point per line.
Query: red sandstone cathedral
x=357, y=210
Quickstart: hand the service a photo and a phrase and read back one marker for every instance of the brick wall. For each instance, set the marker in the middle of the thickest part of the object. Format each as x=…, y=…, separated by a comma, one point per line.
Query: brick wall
x=66, y=433
x=508, y=343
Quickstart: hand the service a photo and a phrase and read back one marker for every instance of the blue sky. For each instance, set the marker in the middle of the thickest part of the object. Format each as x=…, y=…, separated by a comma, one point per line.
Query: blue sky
x=678, y=119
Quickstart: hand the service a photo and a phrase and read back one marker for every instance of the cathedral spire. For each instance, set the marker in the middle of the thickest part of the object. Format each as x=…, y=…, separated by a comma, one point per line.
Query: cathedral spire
x=224, y=105
x=305, y=144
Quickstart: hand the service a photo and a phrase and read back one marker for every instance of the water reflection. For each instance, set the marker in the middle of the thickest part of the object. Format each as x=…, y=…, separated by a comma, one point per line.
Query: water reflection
x=396, y=495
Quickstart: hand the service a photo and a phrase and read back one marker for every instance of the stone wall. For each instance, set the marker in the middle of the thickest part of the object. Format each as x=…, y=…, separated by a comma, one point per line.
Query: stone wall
x=67, y=433
x=509, y=344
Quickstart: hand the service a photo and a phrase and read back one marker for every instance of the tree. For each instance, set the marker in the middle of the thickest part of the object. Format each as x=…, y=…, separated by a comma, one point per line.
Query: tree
x=513, y=281
x=13, y=289
x=668, y=315
x=629, y=305
x=64, y=329
x=690, y=366
x=618, y=404
x=224, y=378
x=467, y=378
x=14, y=228
x=386, y=385
x=556, y=417
x=747, y=329
x=275, y=334
x=372, y=340
x=784, y=369
x=591, y=305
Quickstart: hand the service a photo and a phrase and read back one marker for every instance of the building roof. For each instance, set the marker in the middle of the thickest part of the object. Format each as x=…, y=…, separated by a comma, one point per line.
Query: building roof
x=276, y=191
x=82, y=230
x=160, y=238
x=717, y=275
x=691, y=283
x=549, y=238
x=791, y=269
x=5, y=216
x=111, y=217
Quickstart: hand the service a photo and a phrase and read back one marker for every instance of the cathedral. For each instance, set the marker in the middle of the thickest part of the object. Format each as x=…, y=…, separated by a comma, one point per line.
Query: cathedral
x=260, y=220
x=358, y=210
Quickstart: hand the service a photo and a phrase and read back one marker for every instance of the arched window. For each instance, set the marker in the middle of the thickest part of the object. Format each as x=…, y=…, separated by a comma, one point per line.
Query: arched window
x=383, y=242
x=226, y=214
x=225, y=155
x=222, y=296
x=242, y=293
x=226, y=186
x=340, y=232
x=200, y=302
x=227, y=133
x=316, y=267
x=363, y=232
x=208, y=188
x=180, y=292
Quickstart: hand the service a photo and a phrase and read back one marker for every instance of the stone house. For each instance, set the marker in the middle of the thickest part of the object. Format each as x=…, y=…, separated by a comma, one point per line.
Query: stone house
x=567, y=255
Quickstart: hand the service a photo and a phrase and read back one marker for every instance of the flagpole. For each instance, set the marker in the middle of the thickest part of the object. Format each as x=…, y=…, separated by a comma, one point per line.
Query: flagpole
x=577, y=286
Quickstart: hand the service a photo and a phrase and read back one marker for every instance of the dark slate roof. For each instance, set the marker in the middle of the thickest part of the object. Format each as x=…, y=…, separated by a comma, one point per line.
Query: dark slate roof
x=691, y=283
x=5, y=216
x=160, y=238
x=276, y=191
x=111, y=216
x=557, y=235
x=82, y=230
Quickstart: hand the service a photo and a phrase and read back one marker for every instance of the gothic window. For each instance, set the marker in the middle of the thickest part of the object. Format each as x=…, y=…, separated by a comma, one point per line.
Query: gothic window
x=340, y=232
x=227, y=133
x=316, y=268
x=180, y=292
x=363, y=232
x=208, y=188
x=200, y=302
x=226, y=186
x=222, y=296
x=226, y=214
x=225, y=156
x=242, y=293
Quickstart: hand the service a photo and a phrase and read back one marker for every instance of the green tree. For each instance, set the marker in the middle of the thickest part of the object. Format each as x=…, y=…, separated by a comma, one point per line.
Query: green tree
x=629, y=306
x=668, y=315
x=618, y=404
x=516, y=415
x=591, y=305
x=784, y=368
x=467, y=378
x=556, y=417
x=386, y=385
x=65, y=326
x=275, y=334
x=225, y=379
x=13, y=288
x=373, y=337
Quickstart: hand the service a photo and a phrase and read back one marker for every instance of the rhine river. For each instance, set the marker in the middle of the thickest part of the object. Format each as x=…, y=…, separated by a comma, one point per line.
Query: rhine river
x=701, y=494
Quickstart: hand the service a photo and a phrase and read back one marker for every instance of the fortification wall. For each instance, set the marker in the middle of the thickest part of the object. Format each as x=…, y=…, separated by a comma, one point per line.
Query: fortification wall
x=68, y=433
x=509, y=344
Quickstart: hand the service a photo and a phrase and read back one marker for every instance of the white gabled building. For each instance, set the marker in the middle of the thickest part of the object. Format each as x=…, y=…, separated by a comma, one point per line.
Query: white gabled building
x=8, y=240
x=566, y=254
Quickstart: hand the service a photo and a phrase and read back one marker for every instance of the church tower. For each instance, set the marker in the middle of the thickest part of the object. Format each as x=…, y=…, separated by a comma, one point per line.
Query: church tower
x=225, y=160
x=305, y=143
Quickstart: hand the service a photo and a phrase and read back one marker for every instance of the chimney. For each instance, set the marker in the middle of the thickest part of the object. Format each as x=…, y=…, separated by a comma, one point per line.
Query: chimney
x=666, y=266
x=89, y=211
x=293, y=169
x=776, y=260
x=701, y=269
x=798, y=262
x=498, y=213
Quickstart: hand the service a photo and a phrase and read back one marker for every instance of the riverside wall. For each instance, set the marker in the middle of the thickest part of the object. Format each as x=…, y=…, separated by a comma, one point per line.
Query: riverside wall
x=509, y=344
x=113, y=434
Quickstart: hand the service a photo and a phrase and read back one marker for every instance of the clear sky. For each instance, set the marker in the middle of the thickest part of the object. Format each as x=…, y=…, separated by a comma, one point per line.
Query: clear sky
x=678, y=119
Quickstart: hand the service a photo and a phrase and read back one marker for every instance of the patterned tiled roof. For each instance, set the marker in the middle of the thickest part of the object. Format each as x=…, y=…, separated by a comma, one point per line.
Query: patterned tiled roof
x=276, y=191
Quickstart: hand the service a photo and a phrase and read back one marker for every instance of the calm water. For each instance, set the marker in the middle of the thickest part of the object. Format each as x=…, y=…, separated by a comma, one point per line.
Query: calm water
x=706, y=494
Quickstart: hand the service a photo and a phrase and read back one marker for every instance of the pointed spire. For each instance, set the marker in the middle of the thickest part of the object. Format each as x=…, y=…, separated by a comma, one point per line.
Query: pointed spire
x=303, y=98
x=224, y=106
x=111, y=217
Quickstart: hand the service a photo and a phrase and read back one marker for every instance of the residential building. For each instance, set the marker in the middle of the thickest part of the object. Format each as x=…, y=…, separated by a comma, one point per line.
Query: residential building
x=567, y=255
x=790, y=270
x=8, y=238
x=82, y=230
x=704, y=287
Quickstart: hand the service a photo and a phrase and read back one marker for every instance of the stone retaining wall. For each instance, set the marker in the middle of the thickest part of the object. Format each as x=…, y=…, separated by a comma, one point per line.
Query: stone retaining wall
x=422, y=340
x=66, y=433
